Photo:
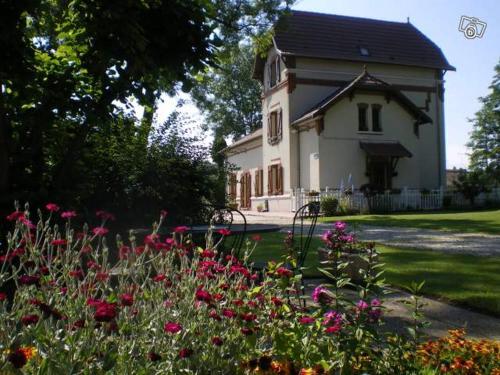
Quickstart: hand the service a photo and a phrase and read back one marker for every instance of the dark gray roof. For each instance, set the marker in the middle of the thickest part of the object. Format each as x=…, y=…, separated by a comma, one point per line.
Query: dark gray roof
x=331, y=36
x=395, y=149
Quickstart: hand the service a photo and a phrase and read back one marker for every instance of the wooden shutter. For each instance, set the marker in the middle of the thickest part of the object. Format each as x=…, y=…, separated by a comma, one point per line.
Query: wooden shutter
x=280, y=124
x=261, y=182
x=278, y=70
x=280, y=179
x=269, y=180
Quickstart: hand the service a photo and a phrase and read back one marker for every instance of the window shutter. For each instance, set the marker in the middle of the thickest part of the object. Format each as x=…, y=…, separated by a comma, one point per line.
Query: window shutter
x=256, y=191
x=280, y=179
x=269, y=180
x=268, y=126
x=261, y=182
x=278, y=69
x=280, y=124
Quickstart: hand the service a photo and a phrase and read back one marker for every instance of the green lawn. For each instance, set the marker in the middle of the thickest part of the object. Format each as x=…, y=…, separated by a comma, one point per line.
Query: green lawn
x=465, y=279
x=487, y=221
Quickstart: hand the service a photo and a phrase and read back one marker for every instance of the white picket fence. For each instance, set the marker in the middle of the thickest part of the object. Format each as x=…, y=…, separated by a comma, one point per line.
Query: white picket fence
x=406, y=200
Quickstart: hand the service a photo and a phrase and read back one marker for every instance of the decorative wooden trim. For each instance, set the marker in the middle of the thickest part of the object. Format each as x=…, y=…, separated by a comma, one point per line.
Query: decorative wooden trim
x=331, y=82
x=274, y=89
x=319, y=125
x=291, y=82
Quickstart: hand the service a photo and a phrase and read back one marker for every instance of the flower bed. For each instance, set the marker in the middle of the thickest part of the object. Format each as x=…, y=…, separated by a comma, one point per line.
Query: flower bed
x=169, y=307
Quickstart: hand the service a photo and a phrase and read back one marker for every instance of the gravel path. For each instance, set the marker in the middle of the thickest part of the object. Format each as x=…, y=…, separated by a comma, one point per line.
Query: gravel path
x=415, y=238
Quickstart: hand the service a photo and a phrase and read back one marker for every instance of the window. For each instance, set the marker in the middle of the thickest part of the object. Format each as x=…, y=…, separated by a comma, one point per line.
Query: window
x=275, y=179
x=259, y=183
x=274, y=72
x=274, y=127
x=376, y=125
x=362, y=120
x=232, y=186
x=364, y=51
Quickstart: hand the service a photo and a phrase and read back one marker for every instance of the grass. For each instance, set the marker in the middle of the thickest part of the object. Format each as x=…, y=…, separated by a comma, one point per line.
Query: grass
x=463, y=279
x=487, y=221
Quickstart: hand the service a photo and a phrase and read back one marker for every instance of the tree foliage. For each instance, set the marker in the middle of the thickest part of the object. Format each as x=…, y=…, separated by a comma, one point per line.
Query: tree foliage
x=470, y=184
x=485, y=136
x=68, y=73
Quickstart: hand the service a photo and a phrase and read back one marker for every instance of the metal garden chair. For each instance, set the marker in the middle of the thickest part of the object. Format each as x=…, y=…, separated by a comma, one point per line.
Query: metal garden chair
x=224, y=218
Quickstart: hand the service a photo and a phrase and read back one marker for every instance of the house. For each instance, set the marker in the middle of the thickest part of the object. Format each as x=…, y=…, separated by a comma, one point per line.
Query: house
x=345, y=100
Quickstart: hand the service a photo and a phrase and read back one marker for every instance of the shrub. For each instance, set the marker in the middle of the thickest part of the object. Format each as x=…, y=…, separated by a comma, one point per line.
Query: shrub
x=329, y=205
x=447, y=200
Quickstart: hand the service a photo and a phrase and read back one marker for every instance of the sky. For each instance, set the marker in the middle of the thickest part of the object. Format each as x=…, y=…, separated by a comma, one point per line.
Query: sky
x=474, y=59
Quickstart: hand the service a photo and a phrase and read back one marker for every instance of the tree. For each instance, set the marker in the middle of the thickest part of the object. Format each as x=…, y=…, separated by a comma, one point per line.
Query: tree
x=69, y=67
x=470, y=184
x=227, y=94
x=485, y=137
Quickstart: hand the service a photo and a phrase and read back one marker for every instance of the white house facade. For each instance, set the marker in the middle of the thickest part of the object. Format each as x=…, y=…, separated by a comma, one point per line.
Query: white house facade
x=345, y=100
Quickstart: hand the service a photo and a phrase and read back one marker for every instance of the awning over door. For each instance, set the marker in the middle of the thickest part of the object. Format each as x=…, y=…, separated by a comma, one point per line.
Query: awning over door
x=391, y=149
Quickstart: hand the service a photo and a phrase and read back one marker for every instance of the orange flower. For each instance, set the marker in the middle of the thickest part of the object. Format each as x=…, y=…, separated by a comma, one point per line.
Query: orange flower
x=29, y=351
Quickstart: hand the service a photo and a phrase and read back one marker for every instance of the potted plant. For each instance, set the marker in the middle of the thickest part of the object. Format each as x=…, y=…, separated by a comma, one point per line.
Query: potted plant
x=260, y=207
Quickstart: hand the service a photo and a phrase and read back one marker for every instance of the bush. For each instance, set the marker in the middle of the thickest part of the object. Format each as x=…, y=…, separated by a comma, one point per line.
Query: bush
x=447, y=200
x=329, y=205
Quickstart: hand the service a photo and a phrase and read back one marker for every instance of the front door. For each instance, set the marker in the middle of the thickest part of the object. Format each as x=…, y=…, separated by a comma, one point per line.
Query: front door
x=380, y=173
x=246, y=191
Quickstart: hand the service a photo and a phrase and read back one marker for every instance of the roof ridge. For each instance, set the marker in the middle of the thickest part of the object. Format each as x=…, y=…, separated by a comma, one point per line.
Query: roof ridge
x=347, y=17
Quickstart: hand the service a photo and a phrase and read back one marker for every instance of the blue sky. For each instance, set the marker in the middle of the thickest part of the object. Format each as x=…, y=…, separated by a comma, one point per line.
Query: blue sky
x=438, y=19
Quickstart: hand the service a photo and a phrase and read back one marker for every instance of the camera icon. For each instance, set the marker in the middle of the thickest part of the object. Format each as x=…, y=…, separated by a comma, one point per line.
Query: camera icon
x=472, y=27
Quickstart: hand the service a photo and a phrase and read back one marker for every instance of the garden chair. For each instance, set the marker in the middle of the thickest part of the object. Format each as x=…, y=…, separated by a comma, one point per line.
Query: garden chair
x=304, y=224
x=225, y=217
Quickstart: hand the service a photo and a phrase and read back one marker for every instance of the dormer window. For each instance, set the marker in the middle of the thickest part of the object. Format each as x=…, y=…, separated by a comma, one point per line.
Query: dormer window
x=363, y=51
x=274, y=72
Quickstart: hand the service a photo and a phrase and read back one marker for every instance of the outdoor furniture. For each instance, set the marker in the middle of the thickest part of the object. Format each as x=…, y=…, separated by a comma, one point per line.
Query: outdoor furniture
x=304, y=224
x=224, y=218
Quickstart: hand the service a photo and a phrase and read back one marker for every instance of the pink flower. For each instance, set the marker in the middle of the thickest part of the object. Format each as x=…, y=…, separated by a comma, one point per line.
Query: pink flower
x=321, y=295
x=181, y=229
x=326, y=237
x=68, y=214
x=340, y=226
x=29, y=319
x=224, y=232
x=29, y=280
x=163, y=214
x=127, y=299
x=203, y=295
x=16, y=215
x=59, y=242
x=217, y=341
x=52, y=207
x=207, y=253
x=76, y=274
x=159, y=278
x=171, y=327
x=362, y=305
x=306, y=320
x=101, y=276
x=123, y=252
x=213, y=314
x=100, y=231
x=104, y=215
x=333, y=329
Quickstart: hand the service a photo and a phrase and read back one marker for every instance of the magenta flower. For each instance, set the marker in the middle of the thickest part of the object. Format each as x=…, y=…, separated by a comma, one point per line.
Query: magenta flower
x=362, y=305
x=224, y=232
x=104, y=215
x=321, y=295
x=16, y=215
x=29, y=319
x=306, y=320
x=52, y=207
x=68, y=214
x=105, y=312
x=172, y=327
x=203, y=295
x=181, y=229
x=217, y=341
x=100, y=231
x=340, y=226
x=127, y=299
x=163, y=214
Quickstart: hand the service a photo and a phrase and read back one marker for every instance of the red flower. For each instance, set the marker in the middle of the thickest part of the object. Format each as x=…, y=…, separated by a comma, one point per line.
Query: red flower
x=151, y=239
x=207, y=253
x=228, y=313
x=127, y=299
x=282, y=271
x=59, y=242
x=52, y=207
x=246, y=331
x=217, y=341
x=163, y=213
x=333, y=329
x=276, y=301
x=68, y=214
x=224, y=232
x=159, y=278
x=256, y=237
x=29, y=279
x=3, y=296
x=105, y=312
x=101, y=276
x=306, y=320
x=248, y=317
x=203, y=295
x=172, y=327
x=213, y=314
x=76, y=274
x=185, y=352
x=18, y=358
x=154, y=357
x=100, y=231
x=16, y=215
x=123, y=252
x=29, y=319
x=181, y=229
